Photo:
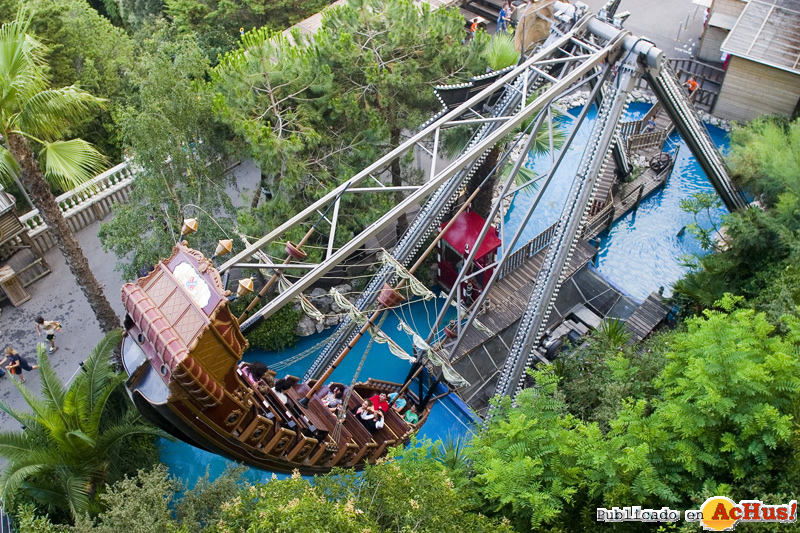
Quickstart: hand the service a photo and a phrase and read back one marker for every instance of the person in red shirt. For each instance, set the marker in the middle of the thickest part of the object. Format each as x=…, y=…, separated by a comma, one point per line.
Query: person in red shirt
x=379, y=401
x=691, y=84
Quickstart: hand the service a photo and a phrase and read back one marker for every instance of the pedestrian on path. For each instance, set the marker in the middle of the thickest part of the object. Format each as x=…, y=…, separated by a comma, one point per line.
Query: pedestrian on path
x=503, y=19
x=50, y=327
x=16, y=363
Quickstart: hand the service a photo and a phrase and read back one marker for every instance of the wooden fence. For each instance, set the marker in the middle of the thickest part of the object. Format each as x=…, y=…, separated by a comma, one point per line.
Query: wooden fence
x=698, y=69
x=644, y=141
x=84, y=205
x=533, y=246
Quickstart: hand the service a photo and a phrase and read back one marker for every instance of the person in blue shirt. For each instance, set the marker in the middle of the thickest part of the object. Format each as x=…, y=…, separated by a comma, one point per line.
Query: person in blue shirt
x=502, y=20
x=399, y=404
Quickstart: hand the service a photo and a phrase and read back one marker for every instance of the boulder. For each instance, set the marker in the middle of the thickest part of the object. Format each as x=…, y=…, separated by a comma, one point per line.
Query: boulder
x=320, y=299
x=305, y=326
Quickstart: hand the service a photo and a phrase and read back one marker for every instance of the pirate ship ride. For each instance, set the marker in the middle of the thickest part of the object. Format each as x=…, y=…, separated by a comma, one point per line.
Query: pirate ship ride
x=182, y=351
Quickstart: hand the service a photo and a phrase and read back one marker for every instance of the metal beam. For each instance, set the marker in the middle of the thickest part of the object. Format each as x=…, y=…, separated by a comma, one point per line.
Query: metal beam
x=388, y=218
x=404, y=147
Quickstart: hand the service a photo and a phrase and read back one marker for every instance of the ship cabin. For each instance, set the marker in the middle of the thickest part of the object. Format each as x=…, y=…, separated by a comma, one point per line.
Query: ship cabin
x=182, y=351
x=455, y=247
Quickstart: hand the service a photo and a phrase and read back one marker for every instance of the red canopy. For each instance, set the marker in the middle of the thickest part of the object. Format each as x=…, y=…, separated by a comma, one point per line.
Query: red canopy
x=465, y=230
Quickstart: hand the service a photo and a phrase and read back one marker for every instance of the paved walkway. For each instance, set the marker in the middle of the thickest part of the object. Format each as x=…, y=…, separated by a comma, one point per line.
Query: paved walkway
x=58, y=297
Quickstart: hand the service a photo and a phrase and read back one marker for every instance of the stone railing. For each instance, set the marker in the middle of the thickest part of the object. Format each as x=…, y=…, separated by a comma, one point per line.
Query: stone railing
x=83, y=205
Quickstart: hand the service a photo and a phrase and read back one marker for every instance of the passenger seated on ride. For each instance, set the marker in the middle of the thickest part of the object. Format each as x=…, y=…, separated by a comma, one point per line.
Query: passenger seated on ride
x=265, y=385
x=366, y=415
x=334, y=398
x=378, y=423
x=280, y=387
x=411, y=415
x=399, y=404
x=379, y=402
x=254, y=371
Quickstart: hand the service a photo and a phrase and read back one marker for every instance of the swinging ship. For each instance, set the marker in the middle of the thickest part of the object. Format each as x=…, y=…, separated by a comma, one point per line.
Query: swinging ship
x=182, y=352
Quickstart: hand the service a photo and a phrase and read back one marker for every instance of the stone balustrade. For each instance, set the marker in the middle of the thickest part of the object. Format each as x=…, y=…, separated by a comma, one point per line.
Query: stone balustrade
x=87, y=203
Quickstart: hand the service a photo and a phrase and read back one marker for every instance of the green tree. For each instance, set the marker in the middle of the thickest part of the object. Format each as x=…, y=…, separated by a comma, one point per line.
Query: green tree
x=217, y=23
x=73, y=438
x=407, y=492
x=34, y=116
x=526, y=460
x=178, y=150
x=148, y=502
x=730, y=394
x=87, y=51
x=765, y=157
x=761, y=243
x=391, y=54
x=316, y=113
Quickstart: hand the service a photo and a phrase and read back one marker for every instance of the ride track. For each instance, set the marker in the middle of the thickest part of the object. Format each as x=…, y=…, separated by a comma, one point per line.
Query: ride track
x=582, y=51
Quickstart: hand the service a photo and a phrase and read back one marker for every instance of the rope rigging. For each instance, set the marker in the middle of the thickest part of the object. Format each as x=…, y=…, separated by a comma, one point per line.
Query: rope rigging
x=337, y=430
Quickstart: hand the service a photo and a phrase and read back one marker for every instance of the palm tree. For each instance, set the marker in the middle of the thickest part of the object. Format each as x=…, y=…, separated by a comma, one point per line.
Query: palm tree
x=72, y=442
x=32, y=115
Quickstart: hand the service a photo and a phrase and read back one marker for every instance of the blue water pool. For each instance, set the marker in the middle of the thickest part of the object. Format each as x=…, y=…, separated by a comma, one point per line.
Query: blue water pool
x=448, y=417
x=549, y=208
x=642, y=251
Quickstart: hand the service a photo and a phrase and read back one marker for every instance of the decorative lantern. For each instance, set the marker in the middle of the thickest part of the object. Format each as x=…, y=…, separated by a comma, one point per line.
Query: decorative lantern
x=189, y=226
x=245, y=287
x=224, y=246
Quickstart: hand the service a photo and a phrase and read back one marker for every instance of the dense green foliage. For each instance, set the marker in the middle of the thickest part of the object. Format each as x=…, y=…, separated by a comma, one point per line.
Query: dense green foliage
x=74, y=439
x=410, y=492
x=148, y=502
x=83, y=49
x=711, y=411
x=758, y=256
x=316, y=113
x=169, y=98
x=217, y=23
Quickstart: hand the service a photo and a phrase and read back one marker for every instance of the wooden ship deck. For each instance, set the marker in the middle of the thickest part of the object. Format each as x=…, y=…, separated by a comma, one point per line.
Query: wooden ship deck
x=509, y=296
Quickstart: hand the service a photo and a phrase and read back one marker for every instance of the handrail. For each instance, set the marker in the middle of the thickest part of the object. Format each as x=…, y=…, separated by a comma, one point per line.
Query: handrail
x=82, y=193
x=697, y=68
x=646, y=140
x=87, y=203
x=531, y=248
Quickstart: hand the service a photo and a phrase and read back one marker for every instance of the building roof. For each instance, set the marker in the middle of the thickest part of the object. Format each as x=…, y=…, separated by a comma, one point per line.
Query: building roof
x=722, y=20
x=767, y=33
x=465, y=230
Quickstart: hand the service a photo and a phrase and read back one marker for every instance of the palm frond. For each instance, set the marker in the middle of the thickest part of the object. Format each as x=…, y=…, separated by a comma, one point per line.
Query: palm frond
x=501, y=52
x=9, y=168
x=15, y=445
x=522, y=177
x=49, y=113
x=12, y=479
x=53, y=389
x=76, y=490
x=93, y=387
x=41, y=410
x=113, y=436
x=22, y=62
x=20, y=416
x=50, y=495
x=70, y=163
